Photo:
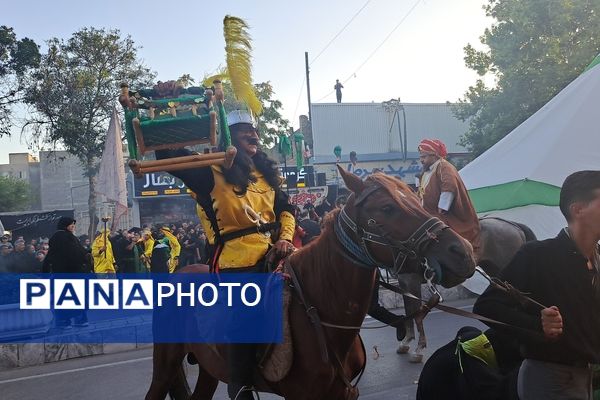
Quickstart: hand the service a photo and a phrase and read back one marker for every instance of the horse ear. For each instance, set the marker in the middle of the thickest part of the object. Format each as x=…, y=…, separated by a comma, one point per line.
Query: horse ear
x=353, y=182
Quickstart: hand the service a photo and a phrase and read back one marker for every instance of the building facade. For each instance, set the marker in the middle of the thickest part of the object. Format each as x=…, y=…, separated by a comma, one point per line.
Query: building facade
x=384, y=137
x=26, y=167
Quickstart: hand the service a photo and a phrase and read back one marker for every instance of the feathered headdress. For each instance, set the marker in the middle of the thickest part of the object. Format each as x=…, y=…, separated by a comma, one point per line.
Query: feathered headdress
x=238, y=50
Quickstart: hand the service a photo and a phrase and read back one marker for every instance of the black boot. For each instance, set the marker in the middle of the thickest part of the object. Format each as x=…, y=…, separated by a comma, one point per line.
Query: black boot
x=242, y=362
x=240, y=392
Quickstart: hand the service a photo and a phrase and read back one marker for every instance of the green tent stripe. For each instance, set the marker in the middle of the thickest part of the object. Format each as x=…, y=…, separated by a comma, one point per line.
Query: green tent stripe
x=514, y=194
x=593, y=63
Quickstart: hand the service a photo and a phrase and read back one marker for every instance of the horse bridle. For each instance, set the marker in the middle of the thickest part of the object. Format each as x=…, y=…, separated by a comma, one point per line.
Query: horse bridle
x=411, y=248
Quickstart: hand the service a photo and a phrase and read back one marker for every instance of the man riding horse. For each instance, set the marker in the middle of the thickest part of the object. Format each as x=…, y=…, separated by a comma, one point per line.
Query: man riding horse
x=238, y=207
x=444, y=194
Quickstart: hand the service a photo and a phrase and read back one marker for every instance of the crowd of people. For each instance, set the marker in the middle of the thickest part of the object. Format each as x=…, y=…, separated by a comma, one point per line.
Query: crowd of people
x=125, y=251
x=241, y=205
x=22, y=255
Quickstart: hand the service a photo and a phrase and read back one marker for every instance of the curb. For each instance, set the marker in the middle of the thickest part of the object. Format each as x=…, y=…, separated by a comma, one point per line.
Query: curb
x=58, y=347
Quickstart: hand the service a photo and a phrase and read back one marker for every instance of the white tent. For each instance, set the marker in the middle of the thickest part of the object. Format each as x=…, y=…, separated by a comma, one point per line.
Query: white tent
x=519, y=178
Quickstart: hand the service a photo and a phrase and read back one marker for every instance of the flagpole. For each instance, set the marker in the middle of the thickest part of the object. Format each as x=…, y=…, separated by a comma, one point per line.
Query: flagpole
x=105, y=220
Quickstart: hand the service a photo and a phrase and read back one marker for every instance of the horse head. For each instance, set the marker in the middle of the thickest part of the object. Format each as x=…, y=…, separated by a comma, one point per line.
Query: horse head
x=383, y=224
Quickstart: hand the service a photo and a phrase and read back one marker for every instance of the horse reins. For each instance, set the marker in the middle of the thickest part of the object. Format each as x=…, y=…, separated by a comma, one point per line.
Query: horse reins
x=410, y=248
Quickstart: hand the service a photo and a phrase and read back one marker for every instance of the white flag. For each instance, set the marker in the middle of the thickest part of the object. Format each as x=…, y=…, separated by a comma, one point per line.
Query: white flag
x=110, y=181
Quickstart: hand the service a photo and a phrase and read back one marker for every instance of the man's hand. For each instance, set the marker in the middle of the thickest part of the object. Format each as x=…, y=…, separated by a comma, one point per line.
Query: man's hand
x=284, y=248
x=552, y=322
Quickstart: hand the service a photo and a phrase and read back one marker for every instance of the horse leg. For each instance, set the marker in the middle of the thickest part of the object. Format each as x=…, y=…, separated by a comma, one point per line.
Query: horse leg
x=180, y=389
x=404, y=346
x=166, y=365
x=411, y=307
x=206, y=385
x=417, y=355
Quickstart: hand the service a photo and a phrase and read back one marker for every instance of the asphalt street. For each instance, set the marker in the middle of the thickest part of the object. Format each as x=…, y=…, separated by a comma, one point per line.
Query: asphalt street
x=127, y=375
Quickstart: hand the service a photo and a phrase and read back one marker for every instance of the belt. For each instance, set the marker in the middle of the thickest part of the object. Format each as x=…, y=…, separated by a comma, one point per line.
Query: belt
x=248, y=231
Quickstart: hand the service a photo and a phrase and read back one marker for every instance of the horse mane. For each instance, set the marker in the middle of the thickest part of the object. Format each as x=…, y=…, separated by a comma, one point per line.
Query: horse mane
x=312, y=255
x=323, y=270
x=402, y=194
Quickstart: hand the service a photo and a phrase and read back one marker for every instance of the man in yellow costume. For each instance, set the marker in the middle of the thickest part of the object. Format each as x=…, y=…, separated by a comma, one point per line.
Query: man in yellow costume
x=104, y=260
x=147, y=242
x=175, y=248
x=231, y=202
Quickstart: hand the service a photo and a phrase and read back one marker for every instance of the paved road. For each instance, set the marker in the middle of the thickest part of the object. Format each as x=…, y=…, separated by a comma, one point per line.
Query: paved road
x=126, y=376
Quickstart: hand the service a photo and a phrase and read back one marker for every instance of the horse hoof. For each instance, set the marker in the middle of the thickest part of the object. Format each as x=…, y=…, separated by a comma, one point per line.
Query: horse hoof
x=415, y=358
x=402, y=349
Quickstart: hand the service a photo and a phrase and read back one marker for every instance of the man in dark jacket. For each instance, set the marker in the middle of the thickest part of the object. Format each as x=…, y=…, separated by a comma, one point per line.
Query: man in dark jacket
x=67, y=255
x=474, y=366
x=560, y=339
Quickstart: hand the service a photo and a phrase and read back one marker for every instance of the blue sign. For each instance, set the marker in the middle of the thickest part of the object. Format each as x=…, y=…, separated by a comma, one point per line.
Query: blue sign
x=157, y=308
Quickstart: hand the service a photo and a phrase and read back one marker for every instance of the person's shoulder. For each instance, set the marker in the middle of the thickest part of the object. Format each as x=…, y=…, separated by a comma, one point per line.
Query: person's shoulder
x=60, y=235
x=538, y=250
x=447, y=165
x=541, y=245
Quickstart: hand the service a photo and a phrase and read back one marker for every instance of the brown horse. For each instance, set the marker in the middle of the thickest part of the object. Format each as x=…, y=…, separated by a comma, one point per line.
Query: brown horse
x=500, y=240
x=382, y=224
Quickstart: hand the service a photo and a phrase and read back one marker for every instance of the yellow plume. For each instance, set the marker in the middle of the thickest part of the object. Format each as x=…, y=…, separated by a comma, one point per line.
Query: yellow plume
x=221, y=75
x=239, y=68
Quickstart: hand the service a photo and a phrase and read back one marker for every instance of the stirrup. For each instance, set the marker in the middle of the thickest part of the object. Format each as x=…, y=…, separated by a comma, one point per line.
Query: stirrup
x=251, y=389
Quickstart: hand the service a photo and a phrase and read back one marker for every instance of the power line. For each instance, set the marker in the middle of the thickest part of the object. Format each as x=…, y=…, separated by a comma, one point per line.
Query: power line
x=298, y=100
x=341, y=30
x=353, y=74
x=322, y=51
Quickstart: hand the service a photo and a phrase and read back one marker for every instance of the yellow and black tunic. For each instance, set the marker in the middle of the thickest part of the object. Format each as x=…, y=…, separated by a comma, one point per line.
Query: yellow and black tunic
x=222, y=213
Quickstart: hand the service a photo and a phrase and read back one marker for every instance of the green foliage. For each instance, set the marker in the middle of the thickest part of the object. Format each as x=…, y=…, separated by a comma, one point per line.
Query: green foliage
x=74, y=90
x=17, y=57
x=270, y=122
x=533, y=50
x=15, y=194
x=76, y=87
x=185, y=80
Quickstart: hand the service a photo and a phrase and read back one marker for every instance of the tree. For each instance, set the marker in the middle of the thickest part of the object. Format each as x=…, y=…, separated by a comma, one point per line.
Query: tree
x=74, y=90
x=270, y=122
x=15, y=194
x=17, y=58
x=534, y=49
x=185, y=80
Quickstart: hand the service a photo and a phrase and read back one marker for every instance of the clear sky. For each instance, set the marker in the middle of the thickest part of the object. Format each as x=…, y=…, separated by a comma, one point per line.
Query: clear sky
x=421, y=61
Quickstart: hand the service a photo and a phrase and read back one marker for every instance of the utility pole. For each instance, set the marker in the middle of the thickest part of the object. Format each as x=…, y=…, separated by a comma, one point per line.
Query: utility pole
x=395, y=106
x=308, y=86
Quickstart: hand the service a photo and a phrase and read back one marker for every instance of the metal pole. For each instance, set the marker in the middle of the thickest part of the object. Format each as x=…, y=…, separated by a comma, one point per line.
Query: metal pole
x=308, y=86
x=287, y=186
x=402, y=148
x=405, y=134
x=105, y=220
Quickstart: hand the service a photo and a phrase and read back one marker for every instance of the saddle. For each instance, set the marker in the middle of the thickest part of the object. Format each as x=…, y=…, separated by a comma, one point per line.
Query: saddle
x=274, y=360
